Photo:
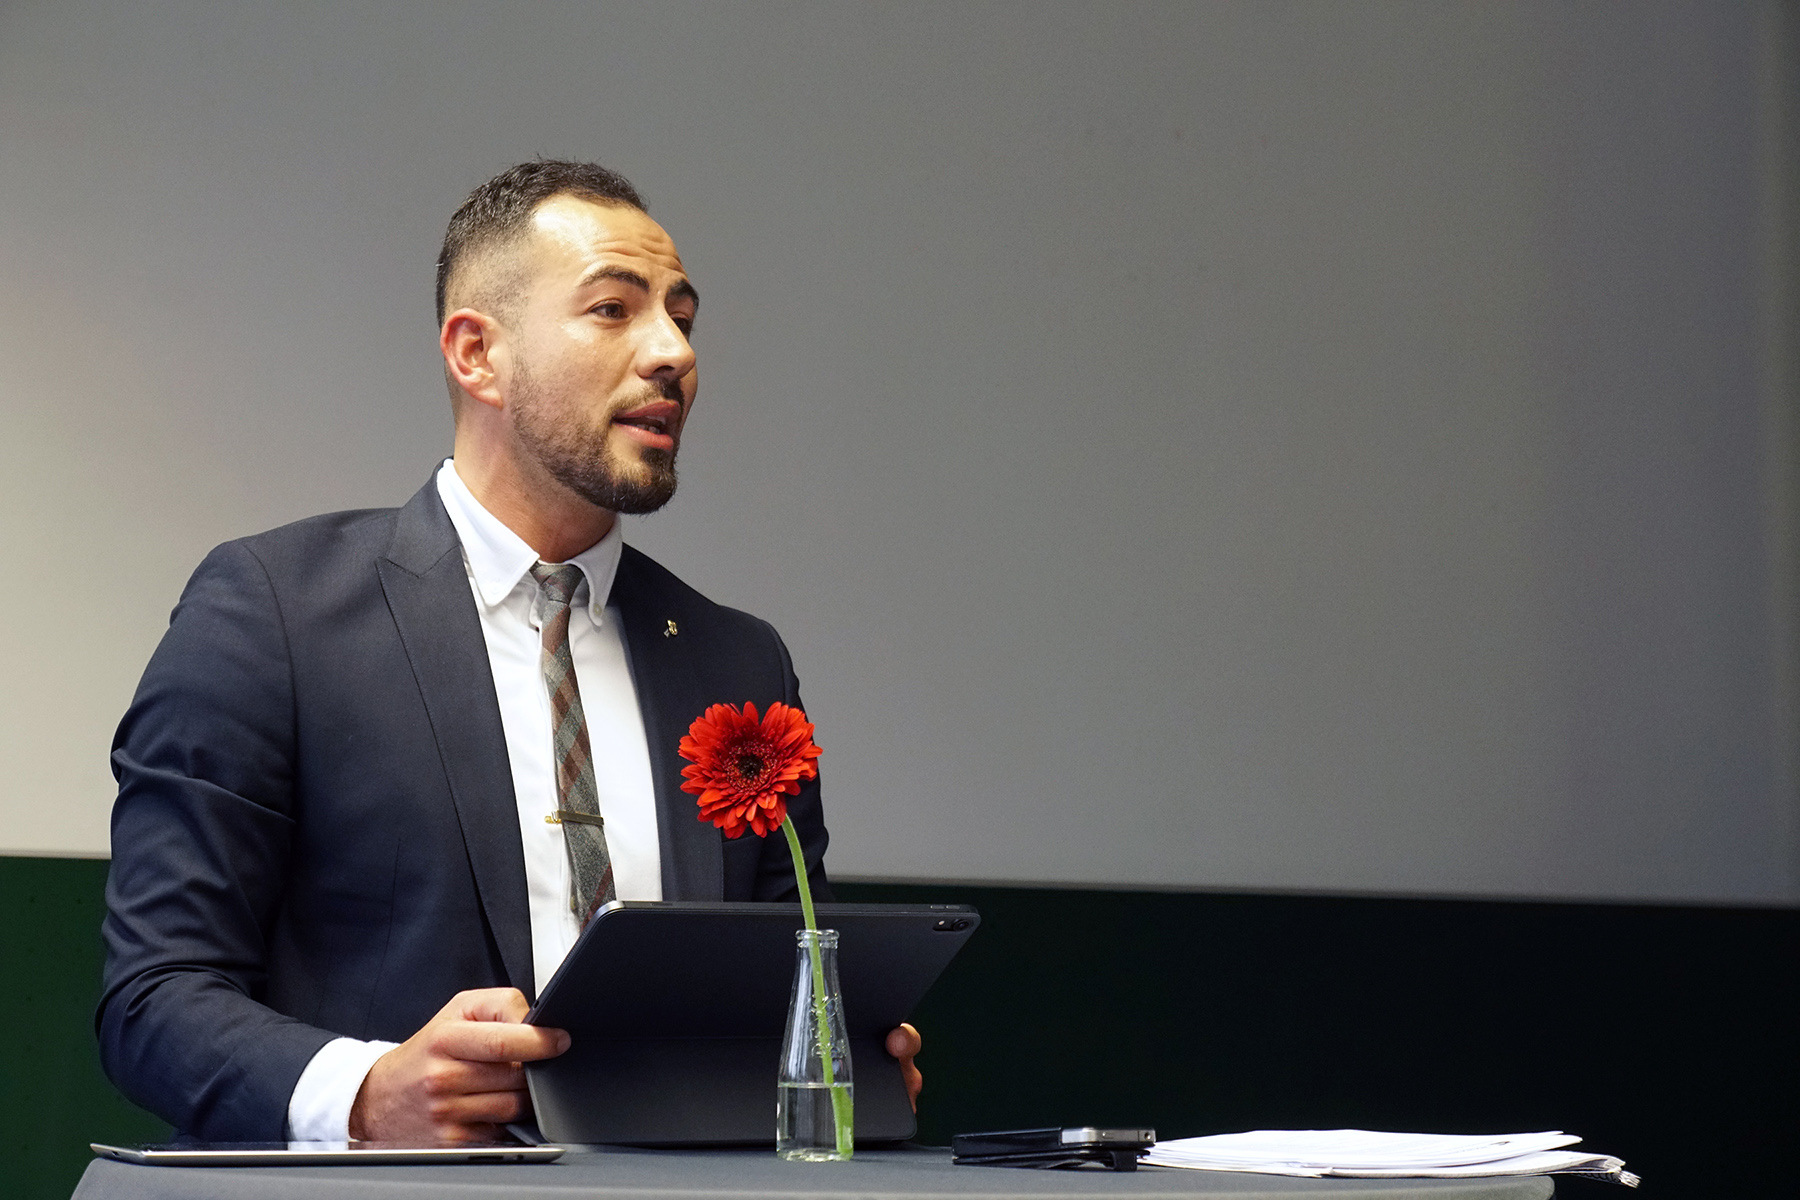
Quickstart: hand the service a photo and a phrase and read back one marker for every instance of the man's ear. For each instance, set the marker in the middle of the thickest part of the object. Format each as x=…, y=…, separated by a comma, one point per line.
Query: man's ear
x=471, y=344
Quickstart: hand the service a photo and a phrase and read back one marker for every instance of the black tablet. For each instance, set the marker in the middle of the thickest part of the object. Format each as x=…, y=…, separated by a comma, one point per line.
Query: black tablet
x=676, y=1009
x=315, y=1154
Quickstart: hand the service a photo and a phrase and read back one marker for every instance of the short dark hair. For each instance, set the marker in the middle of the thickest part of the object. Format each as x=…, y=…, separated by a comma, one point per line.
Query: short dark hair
x=499, y=209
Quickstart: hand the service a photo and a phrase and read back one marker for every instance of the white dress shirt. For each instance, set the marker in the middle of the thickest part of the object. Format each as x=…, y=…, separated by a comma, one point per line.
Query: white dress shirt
x=509, y=601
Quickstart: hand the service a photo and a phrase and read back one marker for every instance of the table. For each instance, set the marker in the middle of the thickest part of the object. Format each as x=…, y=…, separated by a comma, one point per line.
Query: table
x=616, y=1173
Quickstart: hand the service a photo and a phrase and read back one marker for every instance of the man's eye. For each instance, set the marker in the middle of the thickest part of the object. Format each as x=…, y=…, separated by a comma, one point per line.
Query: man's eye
x=611, y=309
x=686, y=325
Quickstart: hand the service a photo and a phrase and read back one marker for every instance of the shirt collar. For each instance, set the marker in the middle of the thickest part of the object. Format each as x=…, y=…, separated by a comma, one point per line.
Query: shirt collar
x=498, y=558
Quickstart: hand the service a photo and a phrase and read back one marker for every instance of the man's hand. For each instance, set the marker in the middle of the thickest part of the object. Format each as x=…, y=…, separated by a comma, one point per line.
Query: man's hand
x=461, y=1077
x=903, y=1043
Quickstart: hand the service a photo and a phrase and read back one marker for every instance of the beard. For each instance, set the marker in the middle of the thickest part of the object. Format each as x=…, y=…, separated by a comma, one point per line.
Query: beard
x=580, y=458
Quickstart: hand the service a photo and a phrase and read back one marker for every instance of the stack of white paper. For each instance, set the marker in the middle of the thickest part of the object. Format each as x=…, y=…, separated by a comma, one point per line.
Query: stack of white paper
x=1367, y=1155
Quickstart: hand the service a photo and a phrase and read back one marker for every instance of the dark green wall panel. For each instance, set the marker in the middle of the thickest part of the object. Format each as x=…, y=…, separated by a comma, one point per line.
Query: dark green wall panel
x=1665, y=1035
x=53, y=1098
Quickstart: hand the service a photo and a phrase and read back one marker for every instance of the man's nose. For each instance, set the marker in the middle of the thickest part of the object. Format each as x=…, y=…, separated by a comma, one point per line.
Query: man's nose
x=664, y=350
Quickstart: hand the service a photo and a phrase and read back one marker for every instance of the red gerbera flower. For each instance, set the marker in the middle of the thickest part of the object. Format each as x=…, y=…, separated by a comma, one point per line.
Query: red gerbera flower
x=744, y=769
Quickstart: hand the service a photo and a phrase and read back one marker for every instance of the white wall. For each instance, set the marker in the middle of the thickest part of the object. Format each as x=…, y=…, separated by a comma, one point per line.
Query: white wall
x=1279, y=446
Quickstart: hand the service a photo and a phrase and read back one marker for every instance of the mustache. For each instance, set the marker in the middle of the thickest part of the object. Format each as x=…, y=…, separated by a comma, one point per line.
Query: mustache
x=652, y=391
x=668, y=388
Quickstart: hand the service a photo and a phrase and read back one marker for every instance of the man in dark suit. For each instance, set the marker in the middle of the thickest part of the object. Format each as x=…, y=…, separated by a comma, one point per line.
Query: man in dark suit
x=333, y=892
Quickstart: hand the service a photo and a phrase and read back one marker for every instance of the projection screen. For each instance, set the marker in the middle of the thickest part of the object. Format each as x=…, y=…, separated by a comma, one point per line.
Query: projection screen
x=1278, y=446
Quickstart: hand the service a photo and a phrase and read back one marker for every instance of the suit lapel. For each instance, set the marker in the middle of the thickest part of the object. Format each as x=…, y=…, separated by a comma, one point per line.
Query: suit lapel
x=428, y=594
x=669, y=696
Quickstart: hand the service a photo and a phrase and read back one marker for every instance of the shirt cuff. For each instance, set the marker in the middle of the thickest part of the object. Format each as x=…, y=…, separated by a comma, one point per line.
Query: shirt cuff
x=319, y=1109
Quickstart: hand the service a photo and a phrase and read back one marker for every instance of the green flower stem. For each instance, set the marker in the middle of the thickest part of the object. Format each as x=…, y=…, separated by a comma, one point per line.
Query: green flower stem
x=840, y=1098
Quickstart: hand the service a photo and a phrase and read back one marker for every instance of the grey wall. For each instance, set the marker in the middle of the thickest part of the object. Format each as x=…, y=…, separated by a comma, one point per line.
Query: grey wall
x=1279, y=446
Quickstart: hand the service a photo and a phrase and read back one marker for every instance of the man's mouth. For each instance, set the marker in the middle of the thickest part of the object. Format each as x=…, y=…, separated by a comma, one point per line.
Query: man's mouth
x=654, y=424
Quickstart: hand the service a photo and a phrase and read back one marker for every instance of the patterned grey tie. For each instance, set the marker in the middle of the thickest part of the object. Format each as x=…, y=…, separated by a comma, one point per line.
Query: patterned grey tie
x=578, y=801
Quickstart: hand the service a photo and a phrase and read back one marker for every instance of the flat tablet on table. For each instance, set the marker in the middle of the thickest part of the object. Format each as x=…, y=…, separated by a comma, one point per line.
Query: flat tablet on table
x=314, y=1154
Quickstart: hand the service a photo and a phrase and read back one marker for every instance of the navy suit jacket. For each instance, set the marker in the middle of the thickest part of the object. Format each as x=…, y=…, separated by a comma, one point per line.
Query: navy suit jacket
x=316, y=833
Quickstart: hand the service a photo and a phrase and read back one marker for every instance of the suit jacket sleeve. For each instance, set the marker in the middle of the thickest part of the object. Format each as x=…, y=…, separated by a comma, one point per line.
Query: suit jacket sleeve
x=202, y=834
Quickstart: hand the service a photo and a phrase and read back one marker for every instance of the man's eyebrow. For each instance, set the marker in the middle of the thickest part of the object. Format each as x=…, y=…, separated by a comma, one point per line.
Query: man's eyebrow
x=605, y=271
x=681, y=289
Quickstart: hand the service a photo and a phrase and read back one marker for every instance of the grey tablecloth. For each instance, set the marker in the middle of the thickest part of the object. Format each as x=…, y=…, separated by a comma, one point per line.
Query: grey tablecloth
x=752, y=1175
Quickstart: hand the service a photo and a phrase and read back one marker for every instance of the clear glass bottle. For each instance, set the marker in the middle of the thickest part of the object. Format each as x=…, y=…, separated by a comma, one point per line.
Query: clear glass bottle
x=813, y=1108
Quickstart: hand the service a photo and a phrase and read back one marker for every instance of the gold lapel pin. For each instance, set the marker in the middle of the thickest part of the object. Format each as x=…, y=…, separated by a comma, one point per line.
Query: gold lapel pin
x=671, y=631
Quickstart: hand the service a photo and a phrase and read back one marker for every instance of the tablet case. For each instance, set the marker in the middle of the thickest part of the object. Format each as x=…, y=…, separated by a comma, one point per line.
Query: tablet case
x=676, y=1010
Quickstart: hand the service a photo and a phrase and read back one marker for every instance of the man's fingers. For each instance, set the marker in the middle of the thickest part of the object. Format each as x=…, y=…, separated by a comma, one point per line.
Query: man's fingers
x=488, y=1004
x=495, y=1041
x=904, y=1042
x=479, y=1109
x=452, y=1077
x=486, y=1025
